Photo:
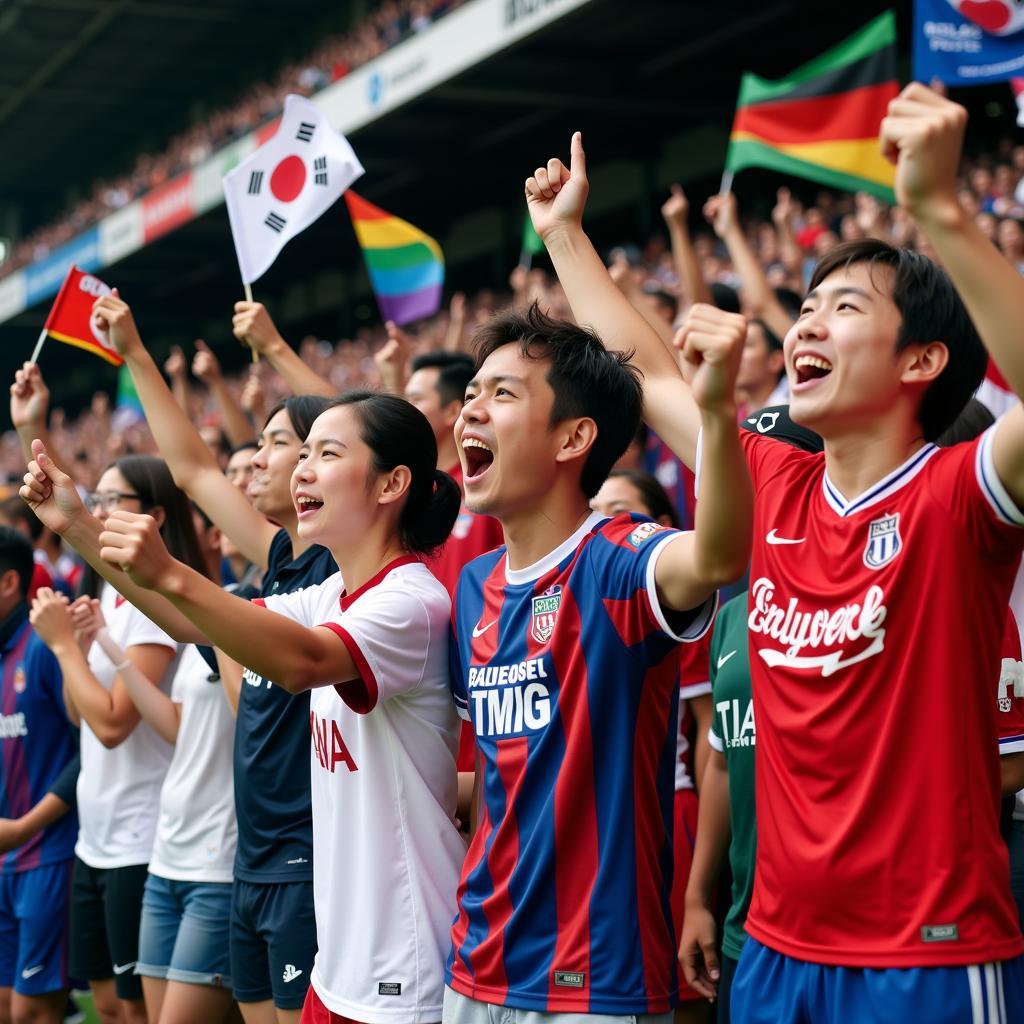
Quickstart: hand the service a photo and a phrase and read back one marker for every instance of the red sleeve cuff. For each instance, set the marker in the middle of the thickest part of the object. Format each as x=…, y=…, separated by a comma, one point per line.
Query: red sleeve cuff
x=359, y=694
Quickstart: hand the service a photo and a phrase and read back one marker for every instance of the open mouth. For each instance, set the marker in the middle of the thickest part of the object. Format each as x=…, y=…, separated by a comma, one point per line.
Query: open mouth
x=478, y=456
x=305, y=504
x=809, y=368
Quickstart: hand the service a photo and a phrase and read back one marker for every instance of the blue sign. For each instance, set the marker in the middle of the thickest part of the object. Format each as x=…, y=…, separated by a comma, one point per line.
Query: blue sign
x=968, y=42
x=44, y=278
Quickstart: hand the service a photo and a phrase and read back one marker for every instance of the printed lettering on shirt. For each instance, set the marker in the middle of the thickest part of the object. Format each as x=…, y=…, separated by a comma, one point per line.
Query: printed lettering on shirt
x=797, y=629
x=253, y=678
x=1011, y=678
x=508, y=700
x=328, y=744
x=884, y=541
x=13, y=726
x=736, y=733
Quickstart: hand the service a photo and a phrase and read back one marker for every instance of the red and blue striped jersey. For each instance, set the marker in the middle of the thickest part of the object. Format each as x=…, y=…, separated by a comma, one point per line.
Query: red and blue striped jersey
x=569, y=673
x=36, y=742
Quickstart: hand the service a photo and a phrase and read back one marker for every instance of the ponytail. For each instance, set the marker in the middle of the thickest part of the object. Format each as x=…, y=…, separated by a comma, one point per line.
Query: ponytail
x=426, y=524
x=398, y=434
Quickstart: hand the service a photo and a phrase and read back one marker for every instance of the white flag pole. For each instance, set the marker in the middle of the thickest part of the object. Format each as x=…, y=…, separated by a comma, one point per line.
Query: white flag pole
x=39, y=346
x=726, y=185
x=248, y=298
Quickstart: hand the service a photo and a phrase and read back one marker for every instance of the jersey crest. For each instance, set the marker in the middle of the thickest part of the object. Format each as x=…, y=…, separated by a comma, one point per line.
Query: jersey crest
x=545, y=611
x=19, y=679
x=884, y=541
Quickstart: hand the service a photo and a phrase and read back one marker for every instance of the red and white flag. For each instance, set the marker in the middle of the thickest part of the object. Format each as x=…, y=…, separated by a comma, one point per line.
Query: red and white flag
x=71, y=319
x=293, y=178
x=1017, y=85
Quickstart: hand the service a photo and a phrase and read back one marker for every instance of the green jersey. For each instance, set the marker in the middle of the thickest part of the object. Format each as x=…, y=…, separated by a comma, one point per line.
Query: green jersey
x=732, y=734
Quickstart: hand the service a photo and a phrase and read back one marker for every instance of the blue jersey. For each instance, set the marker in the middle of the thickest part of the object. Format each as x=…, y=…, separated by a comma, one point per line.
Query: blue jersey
x=568, y=671
x=272, y=801
x=36, y=743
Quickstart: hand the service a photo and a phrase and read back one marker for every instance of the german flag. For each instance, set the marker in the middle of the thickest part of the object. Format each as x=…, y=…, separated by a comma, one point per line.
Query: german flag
x=821, y=122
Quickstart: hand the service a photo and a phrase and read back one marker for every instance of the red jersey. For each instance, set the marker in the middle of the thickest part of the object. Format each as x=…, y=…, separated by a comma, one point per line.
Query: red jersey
x=471, y=536
x=876, y=626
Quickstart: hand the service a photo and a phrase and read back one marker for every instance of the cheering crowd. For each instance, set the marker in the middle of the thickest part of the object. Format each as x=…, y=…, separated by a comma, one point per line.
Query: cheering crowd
x=335, y=57
x=273, y=641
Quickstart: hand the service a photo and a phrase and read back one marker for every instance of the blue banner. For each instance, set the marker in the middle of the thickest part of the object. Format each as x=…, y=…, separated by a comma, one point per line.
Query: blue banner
x=44, y=278
x=968, y=42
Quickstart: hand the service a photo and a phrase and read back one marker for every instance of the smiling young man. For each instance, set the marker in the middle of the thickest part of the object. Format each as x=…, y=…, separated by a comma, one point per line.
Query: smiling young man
x=565, y=658
x=880, y=570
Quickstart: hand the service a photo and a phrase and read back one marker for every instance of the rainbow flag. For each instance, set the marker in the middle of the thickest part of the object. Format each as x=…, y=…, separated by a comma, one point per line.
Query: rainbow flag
x=406, y=265
x=821, y=122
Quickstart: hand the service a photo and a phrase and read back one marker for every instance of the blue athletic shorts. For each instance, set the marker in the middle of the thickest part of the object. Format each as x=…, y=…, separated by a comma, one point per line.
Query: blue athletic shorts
x=184, y=931
x=34, y=929
x=770, y=988
x=273, y=942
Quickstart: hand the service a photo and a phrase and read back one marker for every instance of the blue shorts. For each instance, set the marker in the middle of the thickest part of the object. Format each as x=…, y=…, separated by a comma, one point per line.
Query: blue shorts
x=34, y=929
x=184, y=931
x=770, y=988
x=273, y=942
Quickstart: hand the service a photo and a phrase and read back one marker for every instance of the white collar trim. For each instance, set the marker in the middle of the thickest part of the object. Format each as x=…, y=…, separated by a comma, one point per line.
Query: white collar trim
x=888, y=485
x=552, y=558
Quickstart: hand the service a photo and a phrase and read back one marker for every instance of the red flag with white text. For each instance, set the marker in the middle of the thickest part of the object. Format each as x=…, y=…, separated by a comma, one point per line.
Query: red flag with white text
x=71, y=319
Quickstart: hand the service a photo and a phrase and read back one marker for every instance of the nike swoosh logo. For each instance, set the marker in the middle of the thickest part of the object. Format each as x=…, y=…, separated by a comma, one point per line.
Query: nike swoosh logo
x=724, y=658
x=124, y=968
x=30, y=972
x=479, y=631
x=774, y=538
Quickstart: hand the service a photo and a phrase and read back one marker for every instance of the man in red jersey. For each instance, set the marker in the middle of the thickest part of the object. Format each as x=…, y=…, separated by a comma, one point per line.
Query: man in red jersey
x=880, y=571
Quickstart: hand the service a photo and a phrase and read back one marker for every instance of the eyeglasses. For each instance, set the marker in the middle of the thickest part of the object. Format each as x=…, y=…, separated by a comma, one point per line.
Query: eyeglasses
x=109, y=501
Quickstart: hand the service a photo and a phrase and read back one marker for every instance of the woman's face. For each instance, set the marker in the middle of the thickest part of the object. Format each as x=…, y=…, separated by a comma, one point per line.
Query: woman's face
x=336, y=493
x=618, y=495
x=114, y=494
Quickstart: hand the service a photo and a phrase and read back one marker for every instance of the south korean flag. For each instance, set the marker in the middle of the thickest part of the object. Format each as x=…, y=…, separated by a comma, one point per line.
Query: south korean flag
x=294, y=177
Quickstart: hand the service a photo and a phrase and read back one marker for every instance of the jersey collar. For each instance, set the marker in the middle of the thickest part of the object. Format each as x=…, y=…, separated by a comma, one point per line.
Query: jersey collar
x=885, y=487
x=346, y=600
x=553, y=558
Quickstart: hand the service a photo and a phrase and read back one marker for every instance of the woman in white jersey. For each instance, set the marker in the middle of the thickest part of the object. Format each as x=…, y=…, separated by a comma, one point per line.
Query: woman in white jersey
x=183, y=937
x=386, y=850
x=123, y=759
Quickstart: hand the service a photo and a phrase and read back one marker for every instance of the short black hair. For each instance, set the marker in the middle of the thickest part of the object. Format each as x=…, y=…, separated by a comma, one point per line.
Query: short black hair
x=931, y=310
x=454, y=372
x=245, y=446
x=587, y=380
x=16, y=554
x=14, y=510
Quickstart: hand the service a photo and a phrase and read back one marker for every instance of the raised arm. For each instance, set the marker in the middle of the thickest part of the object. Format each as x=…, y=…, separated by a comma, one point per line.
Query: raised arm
x=392, y=360
x=758, y=297
x=191, y=463
x=52, y=495
x=676, y=210
x=556, y=196
x=176, y=369
x=717, y=551
x=622, y=274
x=294, y=656
x=253, y=327
x=206, y=366
x=30, y=406
x=923, y=134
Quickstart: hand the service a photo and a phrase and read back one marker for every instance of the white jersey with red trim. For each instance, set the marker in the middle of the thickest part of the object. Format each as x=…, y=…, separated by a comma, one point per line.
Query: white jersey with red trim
x=386, y=853
x=876, y=626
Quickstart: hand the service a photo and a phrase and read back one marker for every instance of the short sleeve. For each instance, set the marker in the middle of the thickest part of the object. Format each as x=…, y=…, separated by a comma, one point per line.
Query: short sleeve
x=388, y=633
x=965, y=481
x=309, y=606
x=769, y=456
x=694, y=668
x=624, y=558
x=139, y=630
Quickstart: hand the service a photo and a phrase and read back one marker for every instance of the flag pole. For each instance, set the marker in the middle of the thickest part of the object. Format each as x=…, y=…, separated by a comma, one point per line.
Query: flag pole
x=726, y=185
x=248, y=298
x=39, y=346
